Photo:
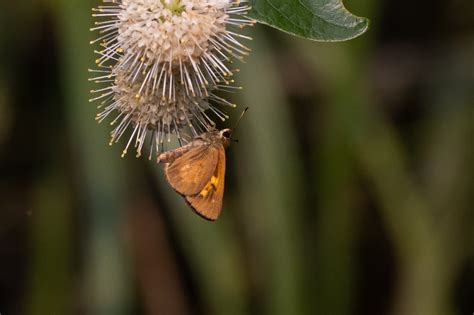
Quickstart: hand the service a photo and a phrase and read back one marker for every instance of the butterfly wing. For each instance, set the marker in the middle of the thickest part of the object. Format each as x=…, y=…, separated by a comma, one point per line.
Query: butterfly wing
x=208, y=202
x=189, y=173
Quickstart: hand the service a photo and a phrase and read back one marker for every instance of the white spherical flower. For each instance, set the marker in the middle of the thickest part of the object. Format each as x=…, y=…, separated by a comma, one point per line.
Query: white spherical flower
x=166, y=43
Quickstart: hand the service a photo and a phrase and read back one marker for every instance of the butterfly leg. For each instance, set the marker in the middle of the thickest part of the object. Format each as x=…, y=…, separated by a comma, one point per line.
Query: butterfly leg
x=170, y=156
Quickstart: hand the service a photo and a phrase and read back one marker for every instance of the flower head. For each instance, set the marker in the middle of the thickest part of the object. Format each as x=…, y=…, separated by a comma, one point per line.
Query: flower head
x=164, y=61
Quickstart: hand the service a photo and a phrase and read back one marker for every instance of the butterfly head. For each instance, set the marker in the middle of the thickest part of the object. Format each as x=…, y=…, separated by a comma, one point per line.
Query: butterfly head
x=226, y=136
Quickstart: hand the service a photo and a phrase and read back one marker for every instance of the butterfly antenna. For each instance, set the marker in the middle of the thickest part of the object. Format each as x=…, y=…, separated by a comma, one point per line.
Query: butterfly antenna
x=240, y=118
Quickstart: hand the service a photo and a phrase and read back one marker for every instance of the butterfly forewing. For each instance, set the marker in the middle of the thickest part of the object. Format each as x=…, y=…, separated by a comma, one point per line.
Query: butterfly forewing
x=208, y=202
x=189, y=173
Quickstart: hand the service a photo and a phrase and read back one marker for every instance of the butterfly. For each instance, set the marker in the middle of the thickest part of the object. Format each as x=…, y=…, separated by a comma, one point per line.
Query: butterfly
x=197, y=171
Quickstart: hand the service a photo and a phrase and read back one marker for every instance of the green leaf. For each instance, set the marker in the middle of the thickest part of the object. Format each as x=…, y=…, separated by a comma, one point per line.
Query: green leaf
x=320, y=20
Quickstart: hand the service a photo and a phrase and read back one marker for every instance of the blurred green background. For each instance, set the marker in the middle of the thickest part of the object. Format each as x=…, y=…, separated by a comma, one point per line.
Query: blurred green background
x=350, y=191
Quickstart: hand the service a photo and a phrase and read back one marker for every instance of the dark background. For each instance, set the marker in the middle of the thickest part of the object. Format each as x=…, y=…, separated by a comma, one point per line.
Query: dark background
x=350, y=191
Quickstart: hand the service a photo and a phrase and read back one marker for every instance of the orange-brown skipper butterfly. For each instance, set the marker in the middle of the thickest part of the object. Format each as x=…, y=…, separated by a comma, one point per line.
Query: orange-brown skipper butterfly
x=197, y=171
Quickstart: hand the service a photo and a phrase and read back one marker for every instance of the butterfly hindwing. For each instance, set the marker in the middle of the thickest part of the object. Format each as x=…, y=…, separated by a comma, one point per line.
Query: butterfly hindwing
x=208, y=202
x=189, y=173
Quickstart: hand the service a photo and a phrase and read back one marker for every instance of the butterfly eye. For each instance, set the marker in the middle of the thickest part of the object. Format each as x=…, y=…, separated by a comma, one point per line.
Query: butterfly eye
x=226, y=134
